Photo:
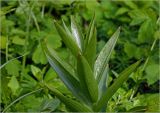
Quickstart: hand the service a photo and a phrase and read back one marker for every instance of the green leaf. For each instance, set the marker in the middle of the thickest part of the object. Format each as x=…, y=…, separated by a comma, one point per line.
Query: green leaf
x=104, y=56
x=36, y=72
x=87, y=80
x=13, y=67
x=153, y=103
x=71, y=104
x=121, y=11
x=67, y=30
x=130, y=4
x=30, y=103
x=146, y=31
x=152, y=73
x=39, y=56
x=138, y=109
x=90, y=43
x=54, y=40
x=91, y=5
x=49, y=105
x=50, y=75
x=3, y=42
x=76, y=32
x=13, y=84
x=128, y=48
x=67, y=39
x=64, y=71
x=19, y=41
x=138, y=16
x=100, y=45
x=123, y=76
x=102, y=83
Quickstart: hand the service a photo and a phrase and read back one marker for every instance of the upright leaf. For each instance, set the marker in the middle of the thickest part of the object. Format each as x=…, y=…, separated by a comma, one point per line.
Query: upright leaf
x=67, y=30
x=123, y=76
x=87, y=78
x=104, y=55
x=67, y=39
x=64, y=71
x=102, y=83
x=71, y=104
x=77, y=33
x=90, y=43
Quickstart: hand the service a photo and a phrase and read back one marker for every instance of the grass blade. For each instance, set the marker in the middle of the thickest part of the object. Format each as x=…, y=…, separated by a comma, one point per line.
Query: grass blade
x=123, y=76
x=71, y=104
x=104, y=55
x=87, y=78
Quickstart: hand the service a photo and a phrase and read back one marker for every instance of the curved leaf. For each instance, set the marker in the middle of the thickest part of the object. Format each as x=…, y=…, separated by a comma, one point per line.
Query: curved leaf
x=67, y=39
x=123, y=76
x=104, y=56
x=64, y=71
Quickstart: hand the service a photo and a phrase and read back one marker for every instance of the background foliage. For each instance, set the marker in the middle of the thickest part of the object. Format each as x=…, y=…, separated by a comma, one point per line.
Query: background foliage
x=24, y=23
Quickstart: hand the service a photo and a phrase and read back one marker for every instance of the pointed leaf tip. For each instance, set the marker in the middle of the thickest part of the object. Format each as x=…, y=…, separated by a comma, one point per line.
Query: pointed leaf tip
x=104, y=55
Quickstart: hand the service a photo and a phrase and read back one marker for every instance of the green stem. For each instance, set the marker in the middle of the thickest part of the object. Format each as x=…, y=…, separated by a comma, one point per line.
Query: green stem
x=151, y=49
x=7, y=47
x=21, y=97
x=26, y=42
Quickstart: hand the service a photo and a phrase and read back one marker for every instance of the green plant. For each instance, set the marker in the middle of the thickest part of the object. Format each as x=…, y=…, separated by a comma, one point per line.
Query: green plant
x=87, y=78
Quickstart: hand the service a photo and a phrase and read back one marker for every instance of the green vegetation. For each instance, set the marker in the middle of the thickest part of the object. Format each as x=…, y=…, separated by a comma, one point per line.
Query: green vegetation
x=82, y=55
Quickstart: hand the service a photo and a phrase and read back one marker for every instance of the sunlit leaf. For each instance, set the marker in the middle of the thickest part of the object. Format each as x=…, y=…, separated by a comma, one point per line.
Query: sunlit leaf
x=76, y=32
x=50, y=75
x=13, y=67
x=14, y=84
x=67, y=39
x=104, y=56
x=38, y=56
x=36, y=72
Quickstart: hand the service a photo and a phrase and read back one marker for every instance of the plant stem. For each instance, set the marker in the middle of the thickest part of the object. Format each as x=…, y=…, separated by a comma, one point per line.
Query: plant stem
x=7, y=46
x=151, y=49
x=26, y=41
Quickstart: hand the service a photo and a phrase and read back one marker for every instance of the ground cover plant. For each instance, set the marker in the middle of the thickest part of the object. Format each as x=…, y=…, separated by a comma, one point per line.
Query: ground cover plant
x=87, y=72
